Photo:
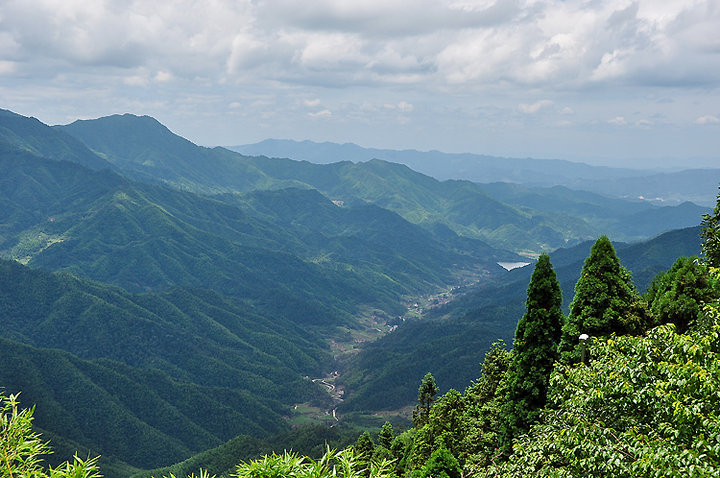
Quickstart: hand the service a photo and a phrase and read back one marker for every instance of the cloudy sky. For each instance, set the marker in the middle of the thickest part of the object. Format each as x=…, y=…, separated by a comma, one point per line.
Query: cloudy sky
x=617, y=82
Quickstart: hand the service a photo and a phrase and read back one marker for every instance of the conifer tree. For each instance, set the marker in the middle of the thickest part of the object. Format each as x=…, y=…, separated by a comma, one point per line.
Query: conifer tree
x=426, y=392
x=535, y=350
x=386, y=435
x=364, y=445
x=604, y=300
x=711, y=236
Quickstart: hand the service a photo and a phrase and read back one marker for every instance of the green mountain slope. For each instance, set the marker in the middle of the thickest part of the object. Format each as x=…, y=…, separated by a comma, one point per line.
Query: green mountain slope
x=183, y=370
x=30, y=135
x=143, y=148
x=696, y=185
x=142, y=237
x=625, y=219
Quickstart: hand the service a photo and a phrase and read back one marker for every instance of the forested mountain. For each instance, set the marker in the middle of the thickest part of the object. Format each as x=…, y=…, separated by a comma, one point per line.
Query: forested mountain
x=28, y=134
x=696, y=185
x=179, y=371
x=143, y=148
x=143, y=237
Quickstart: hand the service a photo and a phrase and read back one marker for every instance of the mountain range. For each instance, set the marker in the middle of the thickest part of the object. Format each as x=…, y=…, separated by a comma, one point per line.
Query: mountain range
x=663, y=187
x=159, y=298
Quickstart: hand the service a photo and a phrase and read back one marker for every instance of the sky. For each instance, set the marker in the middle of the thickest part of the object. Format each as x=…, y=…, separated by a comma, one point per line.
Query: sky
x=613, y=82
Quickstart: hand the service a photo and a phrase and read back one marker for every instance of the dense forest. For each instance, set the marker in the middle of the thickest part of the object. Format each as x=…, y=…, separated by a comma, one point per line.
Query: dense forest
x=178, y=310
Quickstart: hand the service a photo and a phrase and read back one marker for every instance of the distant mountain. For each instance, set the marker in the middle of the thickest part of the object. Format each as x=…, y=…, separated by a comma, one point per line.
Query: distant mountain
x=145, y=149
x=621, y=219
x=472, y=167
x=696, y=185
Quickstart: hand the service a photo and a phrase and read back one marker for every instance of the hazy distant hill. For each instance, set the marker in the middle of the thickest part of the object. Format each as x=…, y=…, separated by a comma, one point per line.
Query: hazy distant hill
x=696, y=185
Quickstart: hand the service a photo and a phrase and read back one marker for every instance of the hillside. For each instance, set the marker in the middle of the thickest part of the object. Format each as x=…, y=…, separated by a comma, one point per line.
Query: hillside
x=143, y=237
x=18, y=132
x=149, y=361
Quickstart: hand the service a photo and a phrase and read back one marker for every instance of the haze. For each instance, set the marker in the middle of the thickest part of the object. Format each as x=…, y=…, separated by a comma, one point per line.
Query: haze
x=615, y=82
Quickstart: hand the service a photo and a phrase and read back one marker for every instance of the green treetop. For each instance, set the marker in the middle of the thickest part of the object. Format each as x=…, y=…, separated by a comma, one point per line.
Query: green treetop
x=426, y=392
x=677, y=296
x=386, y=435
x=711, y=236
x=535, y=351
x=603, y=303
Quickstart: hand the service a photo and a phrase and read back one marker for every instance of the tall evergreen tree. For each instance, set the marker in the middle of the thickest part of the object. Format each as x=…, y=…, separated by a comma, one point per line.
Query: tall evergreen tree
x=711, y=236
x=535, y=350
x=386, y=435
x=604, y=300
x=426, y=392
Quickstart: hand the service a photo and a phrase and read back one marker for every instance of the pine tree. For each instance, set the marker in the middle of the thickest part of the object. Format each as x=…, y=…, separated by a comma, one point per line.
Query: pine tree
x=386, y=435
x=426, y=392
x=535, y=350
x=364, y=446
x=711, y=236
x=604, y=301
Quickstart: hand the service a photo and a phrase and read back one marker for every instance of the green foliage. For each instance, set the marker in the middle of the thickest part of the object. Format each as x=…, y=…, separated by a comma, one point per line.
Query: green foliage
x=22, y=450
x=711, y=235
x=677, y=296
x=604, y=301
x=426, y=392
x=466, y=426
x=386, y=435
x=364, y=446
x=342, y=464
x=442, y=464
x=535, y=350
x=644, y=406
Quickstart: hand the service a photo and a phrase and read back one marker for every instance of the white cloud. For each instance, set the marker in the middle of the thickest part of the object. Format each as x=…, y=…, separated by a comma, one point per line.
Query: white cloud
x=321, y=114
x=707, y=119
x=7, y=67
x=618, y=120
x=405, y=106
x=136, y=80
x=163, y=76
x=534, y=107
x=312, y=103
